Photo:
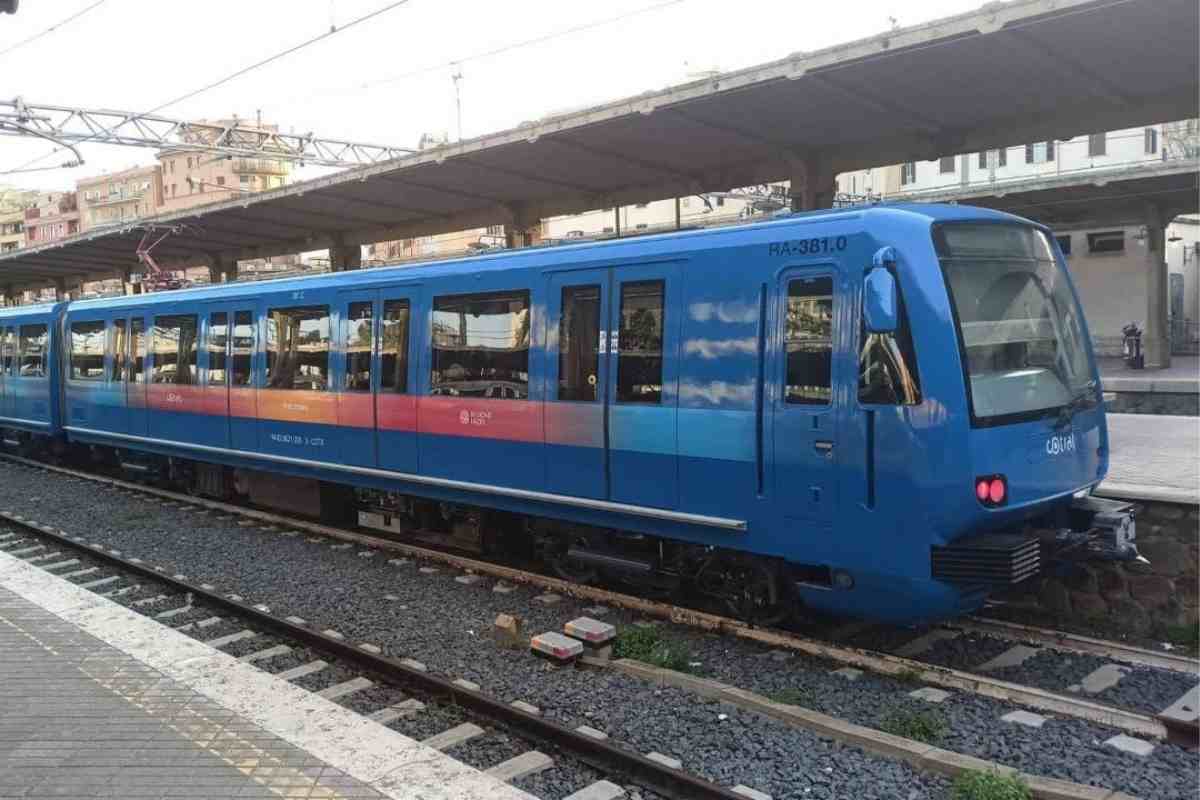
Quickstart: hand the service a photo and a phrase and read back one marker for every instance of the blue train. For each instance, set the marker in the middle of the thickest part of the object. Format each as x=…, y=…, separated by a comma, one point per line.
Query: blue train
x=885, y=412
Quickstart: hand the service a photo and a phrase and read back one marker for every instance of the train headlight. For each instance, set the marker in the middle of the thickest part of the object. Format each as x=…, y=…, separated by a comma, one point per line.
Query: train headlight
x=991, y=490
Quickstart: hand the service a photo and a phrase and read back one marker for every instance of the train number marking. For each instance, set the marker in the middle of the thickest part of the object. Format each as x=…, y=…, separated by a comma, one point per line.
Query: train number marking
x=476, y=418
x=807, y=247
x=1060, y=445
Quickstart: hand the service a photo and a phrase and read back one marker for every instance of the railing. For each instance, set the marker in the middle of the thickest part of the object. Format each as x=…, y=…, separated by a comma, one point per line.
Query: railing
x=269, y=166
x=117, y=197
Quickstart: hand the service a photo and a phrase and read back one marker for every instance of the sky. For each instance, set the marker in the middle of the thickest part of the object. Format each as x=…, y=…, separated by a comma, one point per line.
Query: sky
x=389, y=80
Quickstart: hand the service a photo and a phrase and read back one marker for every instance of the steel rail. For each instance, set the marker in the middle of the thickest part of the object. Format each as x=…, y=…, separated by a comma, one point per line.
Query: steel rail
x=609, y=758
x=1133, y=722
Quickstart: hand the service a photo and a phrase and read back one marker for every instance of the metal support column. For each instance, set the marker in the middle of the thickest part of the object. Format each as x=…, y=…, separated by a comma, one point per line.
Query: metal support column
x=677, y=219
x=9, y=298
x=617, y=220
x=1156, y=339
x=343, y=256
x=60, y=289
x=812, y=184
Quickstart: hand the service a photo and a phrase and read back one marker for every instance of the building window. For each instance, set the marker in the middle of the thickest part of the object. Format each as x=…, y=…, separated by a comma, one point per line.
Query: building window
x=1106, y=242
x=173, y=343
x=172, y=166
x=1002, y=157
x=220, y=180
x=1097, y=144
x=495, y=230
x=34, y=342
x=87, y=351
x=298, y=348
x=639, y=346
x=172, y=190
x=578, y=344
x=945, y=165
x=1064, y=244
x=908, y=173
x=481, y=345
x=1151, y=141
x=393, y=349
x=808, y=341
x=983, y=159
x=360, y=340
x=1039, y=152
x=244, y=180
x=189, y=162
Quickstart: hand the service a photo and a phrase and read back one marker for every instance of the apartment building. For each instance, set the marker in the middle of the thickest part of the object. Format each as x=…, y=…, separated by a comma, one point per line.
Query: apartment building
x=53, y=216
x=196, y=177
x=119, y=197
x=12, y=229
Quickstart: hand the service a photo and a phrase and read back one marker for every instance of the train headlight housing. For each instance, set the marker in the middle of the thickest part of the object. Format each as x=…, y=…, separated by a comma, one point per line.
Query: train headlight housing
x=991, y=490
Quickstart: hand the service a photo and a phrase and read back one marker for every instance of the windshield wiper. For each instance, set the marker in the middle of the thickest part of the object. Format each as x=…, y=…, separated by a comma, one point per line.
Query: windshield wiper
x=1084, y=397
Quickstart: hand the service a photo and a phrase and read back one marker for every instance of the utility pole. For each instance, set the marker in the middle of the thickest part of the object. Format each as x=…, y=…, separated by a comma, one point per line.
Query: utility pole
x=456, y=77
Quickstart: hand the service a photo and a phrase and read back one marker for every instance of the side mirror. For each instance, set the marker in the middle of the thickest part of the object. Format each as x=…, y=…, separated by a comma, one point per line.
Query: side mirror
x=879, y=301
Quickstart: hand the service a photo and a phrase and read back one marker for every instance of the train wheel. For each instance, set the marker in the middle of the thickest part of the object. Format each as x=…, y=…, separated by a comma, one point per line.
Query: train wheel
x=570, y=569
x=749, y=588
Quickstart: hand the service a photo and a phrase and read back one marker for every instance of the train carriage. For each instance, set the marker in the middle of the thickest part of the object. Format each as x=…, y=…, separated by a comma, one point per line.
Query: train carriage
x=871, y=411
x=29, y=372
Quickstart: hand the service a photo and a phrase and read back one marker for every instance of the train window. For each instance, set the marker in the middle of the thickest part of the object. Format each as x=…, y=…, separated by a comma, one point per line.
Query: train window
x=218, y=338
x=117, y=370
x=34, y=344
x=8, y=355
x=87, y=351
x=578, y=343
x=640, y=342
x=174, y=347
x=481, y=345
x=240, y=371
x=360, y=337
x=887, y=365
x=808, y=341
x=393, y=352
x=137, y=350
x=298, y=348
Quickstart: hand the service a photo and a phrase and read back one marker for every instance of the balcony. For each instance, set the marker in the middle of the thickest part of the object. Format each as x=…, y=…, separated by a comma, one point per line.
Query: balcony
x=260, y=166
x=116, y=197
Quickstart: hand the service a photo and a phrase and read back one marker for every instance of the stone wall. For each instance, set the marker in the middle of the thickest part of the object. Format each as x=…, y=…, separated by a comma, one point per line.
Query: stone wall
x=1131, y=598
x=1187, y=405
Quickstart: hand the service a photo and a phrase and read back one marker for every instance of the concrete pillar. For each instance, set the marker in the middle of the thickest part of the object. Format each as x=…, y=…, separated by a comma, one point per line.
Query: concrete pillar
x=222, y=268
x=517, y=233
x=344, y=256
x=60, y=289
x=1156, y=338
x=10, y=298
x=812, y=184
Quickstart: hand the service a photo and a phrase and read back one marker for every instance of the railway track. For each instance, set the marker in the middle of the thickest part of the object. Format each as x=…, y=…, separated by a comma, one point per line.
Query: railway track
x=334, y=667
x=919, y=664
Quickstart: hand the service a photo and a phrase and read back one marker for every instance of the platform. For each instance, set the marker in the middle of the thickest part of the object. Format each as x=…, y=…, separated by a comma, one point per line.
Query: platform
x=99, y=701
x=1154, y=457
x=1182, y=377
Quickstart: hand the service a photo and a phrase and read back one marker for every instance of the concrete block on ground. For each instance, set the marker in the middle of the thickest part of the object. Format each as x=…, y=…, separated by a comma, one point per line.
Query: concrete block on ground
x=367, y=647
x=1026, y=718
x=463, y=683
x=666, y=761
x=849, y=673
x=600, y=790
x=592, y=631
x=296, y=620
x=453, y=737
x=528, y=708
x=1128, y=744
x=412, y=663
x=930, y=694
x=263, y=607
x=521, y=766
x=587, y=730
x=503, y=587
x=1012, y=657
x=468, y=579
x=1102, y=678
x=509, y=626
x=1186, y=709
x=332, y=634
x=555, y=646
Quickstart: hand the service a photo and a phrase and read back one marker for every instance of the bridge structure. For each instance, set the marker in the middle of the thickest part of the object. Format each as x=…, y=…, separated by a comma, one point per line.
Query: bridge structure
x=1009, y=73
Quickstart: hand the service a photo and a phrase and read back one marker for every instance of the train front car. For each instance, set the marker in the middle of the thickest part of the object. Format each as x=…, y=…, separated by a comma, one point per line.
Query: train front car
x=989, y=471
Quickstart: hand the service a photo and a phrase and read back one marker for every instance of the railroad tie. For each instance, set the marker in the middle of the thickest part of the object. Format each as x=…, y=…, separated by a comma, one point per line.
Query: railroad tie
x=124, y=590
x=174, y=612
x=302, y=670
x=600, y=790
x=1012, y=657
x=263, y=655
x=923, y=644
x=521, y=766
x=224, y=641
x=455, y=736
x=401, y=710
x=70, y=562
x=345, y=687
x=79, y=573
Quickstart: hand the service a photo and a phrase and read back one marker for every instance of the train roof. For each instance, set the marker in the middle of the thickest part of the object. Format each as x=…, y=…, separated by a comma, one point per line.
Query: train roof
x=609, y=249
x=31, y=310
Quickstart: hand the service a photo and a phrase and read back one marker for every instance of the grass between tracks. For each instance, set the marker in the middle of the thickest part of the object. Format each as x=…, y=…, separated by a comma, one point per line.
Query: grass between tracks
x=923, y=726
x=978, y=784
x=648, y=645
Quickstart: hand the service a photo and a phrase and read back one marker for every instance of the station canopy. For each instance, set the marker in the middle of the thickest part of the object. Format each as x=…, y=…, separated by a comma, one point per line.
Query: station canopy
x=1007, y=74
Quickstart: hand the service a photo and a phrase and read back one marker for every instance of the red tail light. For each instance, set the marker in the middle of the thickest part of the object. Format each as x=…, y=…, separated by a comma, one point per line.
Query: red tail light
x=991, y=490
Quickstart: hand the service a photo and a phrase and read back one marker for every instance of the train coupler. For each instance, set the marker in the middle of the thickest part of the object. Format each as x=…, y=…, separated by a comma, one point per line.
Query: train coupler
x=1108, y=526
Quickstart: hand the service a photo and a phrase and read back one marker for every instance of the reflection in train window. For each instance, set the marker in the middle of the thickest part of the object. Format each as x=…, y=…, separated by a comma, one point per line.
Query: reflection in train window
x=359, y=340
x=243, y=349
x=578, y=343
x=137, y=342
x=117, y=372
x=87, y=351
x=481, y=345
x=808, y=341
x=8, y=351
x=174, y=346
x=393, y=350
x=298, y=348
x=35, y=341
x=218, y=336
x=640, y=343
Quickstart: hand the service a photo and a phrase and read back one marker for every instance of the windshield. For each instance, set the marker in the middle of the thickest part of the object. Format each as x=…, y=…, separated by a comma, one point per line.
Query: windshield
x=1020, y=326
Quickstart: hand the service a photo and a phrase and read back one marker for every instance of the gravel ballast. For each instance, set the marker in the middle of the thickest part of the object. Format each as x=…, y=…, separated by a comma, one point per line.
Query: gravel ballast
x=447, y=625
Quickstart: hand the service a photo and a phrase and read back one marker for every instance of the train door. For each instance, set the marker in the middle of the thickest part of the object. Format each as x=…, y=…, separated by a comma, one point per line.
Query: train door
x=643, y=378
x=577, y=376
x=805, y=419
x=358, y=312
x=243, y=394
x=7, y=356
x=395, y=400
x=216, y=373
x=136, y=343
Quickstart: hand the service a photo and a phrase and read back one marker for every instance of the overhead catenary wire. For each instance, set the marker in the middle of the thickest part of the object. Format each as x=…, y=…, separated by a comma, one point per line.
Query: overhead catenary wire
x=237, y=74
x=52, y=28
